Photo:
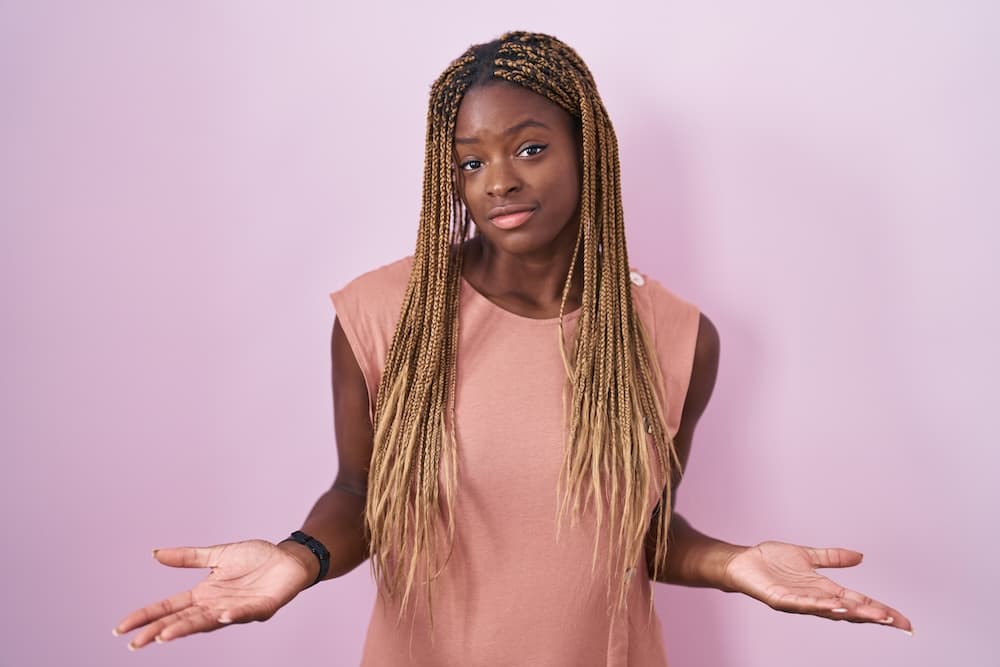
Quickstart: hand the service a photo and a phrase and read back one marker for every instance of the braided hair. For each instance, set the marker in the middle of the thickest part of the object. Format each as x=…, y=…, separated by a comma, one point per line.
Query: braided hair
x=612, y=396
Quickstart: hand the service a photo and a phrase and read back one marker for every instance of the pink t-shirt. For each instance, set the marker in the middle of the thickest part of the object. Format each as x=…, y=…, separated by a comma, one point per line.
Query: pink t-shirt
x=511, y=595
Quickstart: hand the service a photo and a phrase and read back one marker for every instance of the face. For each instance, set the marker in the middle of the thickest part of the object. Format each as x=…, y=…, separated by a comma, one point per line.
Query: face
x=518, y=169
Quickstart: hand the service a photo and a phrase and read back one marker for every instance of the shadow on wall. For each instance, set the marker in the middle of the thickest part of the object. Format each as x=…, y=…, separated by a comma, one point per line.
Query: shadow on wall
x=664, y=226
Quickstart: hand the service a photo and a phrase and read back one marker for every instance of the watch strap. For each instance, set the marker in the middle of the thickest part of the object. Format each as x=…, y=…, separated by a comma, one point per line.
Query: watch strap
x=315, y=546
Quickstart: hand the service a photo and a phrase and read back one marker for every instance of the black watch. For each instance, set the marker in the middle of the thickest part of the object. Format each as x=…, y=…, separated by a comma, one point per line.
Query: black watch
x=318, y=550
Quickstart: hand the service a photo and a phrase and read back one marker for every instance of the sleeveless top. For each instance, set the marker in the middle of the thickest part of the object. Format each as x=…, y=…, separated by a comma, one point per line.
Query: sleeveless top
x=510, y=595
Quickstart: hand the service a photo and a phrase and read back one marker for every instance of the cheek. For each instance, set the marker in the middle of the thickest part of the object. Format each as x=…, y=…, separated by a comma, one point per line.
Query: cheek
x=458, y=182
x=565, y=186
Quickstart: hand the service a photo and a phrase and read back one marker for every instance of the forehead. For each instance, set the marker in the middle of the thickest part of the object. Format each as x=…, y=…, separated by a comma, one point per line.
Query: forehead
x=492, y=108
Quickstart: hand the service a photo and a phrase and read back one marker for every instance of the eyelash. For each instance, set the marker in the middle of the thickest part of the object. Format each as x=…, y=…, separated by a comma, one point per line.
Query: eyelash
x=465, y=165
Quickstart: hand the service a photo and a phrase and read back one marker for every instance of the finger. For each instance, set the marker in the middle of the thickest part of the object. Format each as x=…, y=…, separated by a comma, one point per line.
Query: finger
x=865, y=608
x=809, y=604
x=869, y=610
x=900, y=621
x=858, y=597
x=201, y=619
x=841, y=606
x=836, y=609
x=242, y=614
x=834, y=557
x=153, y=612
x=848, y=605
x=189, y=556
x=198, y=617
x=857, y=608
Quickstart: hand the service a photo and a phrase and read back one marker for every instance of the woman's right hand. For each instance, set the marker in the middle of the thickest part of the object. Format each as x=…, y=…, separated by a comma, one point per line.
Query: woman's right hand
x=249, y=581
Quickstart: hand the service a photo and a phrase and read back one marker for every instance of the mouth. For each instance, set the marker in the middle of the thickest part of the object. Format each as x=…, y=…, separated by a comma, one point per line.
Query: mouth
x=510, y=217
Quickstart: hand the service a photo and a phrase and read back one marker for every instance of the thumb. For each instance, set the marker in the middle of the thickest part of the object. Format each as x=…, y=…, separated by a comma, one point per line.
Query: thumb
x=834, y=557
x=188, y=556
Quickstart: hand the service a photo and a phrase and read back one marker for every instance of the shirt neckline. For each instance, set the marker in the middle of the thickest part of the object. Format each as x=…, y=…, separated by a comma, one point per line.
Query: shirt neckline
x=567, y=317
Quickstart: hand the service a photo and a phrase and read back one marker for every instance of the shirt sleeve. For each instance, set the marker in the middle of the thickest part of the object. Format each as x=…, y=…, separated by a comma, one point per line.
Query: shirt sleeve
x=672, y=326
x=368, y=308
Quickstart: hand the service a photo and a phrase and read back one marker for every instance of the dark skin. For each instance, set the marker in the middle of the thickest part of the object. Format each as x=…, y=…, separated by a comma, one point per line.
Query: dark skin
x=514, y=148
x=524, y=152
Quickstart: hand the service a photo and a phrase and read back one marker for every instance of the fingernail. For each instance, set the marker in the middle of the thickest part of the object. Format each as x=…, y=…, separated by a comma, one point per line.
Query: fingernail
x=909, y=632
x=225, y=619
x=114, y=631
x=131, y=646
x=159, y=639
x=154, y=552
x=839, y=610
x=890, y=619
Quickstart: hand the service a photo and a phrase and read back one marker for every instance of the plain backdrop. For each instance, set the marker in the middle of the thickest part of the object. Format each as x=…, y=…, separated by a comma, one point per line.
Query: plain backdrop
x=183, y=183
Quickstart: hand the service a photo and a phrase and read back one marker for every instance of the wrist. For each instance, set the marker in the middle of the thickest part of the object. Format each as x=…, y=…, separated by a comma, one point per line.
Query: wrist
x=719, y=563
x=305, y=558
x=318, y=549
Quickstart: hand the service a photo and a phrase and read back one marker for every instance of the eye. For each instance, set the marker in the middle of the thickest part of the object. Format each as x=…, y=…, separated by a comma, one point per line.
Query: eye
x=532, y=150
x=470, y=165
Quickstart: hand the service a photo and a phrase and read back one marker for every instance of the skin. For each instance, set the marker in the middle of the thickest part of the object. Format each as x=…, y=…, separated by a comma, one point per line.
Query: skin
x=522, y=270
x=781, y=575
x=515, y=147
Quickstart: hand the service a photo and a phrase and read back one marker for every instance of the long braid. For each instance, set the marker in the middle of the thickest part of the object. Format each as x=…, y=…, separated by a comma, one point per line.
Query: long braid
x=612, y=397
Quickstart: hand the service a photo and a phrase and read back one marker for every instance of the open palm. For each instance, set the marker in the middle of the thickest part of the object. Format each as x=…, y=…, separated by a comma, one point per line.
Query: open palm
x=783, y=576
x=249, y=581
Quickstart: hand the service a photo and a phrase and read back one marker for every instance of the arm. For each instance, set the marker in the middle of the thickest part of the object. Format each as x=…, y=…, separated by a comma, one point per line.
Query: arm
x=694, y=559
x=782, y=576
x=251, y=580
x=337, y=518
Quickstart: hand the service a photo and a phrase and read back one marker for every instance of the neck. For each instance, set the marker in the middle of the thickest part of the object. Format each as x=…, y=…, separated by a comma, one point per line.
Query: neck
x=527, y=284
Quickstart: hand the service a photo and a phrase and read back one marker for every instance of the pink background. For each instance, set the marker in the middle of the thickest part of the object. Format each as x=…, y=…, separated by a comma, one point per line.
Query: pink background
x=184, y=182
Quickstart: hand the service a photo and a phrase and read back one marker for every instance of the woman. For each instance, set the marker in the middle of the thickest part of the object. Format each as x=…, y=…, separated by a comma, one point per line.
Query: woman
x=513, y=412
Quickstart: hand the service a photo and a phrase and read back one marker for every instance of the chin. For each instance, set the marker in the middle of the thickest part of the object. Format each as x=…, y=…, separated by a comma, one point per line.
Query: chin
x=522, y=241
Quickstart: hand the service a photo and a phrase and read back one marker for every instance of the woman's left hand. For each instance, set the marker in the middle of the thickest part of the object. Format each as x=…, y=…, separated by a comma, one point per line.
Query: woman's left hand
x=783, y=576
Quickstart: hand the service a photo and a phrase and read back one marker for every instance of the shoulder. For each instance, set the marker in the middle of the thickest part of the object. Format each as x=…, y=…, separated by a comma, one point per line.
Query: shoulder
x=662, y=310
x=368, y=305
x=367, y=309
x=393, y=275
x=686, y=343
x=673, y=311
x=379, y=290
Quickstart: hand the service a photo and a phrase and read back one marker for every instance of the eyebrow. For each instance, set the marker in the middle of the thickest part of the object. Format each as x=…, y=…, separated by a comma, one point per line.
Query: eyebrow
x=530, y=122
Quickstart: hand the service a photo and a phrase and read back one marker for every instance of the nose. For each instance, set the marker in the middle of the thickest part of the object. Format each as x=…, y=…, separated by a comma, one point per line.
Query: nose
x=503, y=181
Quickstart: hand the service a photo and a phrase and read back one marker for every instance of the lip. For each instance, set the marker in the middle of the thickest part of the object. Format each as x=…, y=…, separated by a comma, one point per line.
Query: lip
x=511, y=215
